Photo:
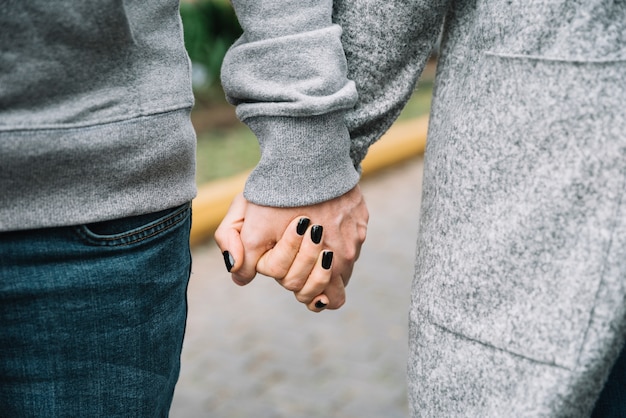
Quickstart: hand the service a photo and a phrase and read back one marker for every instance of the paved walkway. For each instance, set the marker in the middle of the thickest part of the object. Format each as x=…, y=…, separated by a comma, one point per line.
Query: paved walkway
x=254, y=352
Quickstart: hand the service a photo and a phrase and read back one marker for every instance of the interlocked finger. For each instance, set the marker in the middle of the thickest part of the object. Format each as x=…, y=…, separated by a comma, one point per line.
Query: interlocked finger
x=277, y=261
x=305, y=260
x=318, y=279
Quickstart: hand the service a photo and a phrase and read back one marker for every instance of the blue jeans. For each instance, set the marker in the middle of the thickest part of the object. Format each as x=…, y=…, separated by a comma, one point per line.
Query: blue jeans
x=92, y=317
x=612, y=401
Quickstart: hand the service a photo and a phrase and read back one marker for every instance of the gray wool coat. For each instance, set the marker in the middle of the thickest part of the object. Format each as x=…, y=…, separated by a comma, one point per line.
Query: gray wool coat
x=518, y=301
x=518, y=297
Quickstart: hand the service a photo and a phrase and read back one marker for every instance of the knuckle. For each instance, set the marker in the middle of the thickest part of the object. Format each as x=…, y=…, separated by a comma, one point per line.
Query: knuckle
x=293, y=245
x=219, y=235
x=309, y=258
x=302, y=298
x=257, y=242
x=351, y=254
x=336, y=303
x=274, y=271
x=362, y=234
x=241, y=280
x=250, y=241
x=317, y=282
x=293, y=285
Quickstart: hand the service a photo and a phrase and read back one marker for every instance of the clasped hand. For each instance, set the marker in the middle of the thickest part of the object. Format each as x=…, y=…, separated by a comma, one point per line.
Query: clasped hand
x=309, y=250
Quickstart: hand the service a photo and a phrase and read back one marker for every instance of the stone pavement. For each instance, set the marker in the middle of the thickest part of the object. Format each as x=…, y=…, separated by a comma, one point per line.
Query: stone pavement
x=254, y=351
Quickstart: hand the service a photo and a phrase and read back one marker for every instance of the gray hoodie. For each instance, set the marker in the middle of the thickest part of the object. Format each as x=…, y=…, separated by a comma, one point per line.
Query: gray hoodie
x=94, y=111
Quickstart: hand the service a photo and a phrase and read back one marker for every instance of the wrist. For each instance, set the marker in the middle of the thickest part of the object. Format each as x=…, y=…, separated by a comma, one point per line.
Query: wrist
x=304, y=160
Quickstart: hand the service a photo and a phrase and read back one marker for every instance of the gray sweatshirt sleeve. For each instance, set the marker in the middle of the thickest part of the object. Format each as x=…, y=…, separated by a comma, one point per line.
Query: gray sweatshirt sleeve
x=287, y=77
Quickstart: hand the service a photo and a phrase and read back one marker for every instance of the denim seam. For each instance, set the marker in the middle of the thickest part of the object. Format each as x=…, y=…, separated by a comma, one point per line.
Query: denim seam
x=135, y=236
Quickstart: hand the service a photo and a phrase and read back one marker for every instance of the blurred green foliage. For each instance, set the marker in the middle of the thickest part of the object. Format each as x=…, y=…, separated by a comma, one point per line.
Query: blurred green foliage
x=210, y=27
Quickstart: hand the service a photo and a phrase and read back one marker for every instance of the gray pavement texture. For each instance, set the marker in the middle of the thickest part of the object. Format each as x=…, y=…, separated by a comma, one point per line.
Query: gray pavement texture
x=254, y=351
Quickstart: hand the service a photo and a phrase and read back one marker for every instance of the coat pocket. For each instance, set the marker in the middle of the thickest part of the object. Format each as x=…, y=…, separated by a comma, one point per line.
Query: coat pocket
x=522, y=187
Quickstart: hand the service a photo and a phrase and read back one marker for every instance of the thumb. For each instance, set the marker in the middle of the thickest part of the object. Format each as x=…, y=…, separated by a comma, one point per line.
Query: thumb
x=228, y=236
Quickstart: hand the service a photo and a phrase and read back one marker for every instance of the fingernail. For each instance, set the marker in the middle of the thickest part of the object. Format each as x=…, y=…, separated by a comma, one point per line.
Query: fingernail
x=320, y=305
x=303, y=224
x=327, y=259
x=316, y=233
x=228, y=260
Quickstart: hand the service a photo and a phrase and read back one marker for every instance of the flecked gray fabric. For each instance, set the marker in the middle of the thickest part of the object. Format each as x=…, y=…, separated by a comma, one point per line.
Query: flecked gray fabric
x=287, y=76
x=522, y=207
x=94, y=111
x=518, y=297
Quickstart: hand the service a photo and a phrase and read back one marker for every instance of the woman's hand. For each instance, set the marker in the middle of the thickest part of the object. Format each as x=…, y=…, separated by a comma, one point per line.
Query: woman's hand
x=271, y=241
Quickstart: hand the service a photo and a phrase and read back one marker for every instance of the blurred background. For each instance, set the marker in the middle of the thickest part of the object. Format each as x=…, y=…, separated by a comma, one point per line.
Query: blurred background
x=254, y=351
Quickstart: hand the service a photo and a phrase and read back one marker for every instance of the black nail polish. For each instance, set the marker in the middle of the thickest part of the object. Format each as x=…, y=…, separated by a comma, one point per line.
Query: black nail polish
x=327, y=260
x=303, y=224
x=228, y=260
x=320, y=305
x=316, y=233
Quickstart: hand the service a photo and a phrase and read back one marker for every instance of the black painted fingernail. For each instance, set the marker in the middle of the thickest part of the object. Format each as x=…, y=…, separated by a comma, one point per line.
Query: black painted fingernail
x=319, y=304
x=228, y=260
x=316, y=233
x=303, y=224
x=327, y=260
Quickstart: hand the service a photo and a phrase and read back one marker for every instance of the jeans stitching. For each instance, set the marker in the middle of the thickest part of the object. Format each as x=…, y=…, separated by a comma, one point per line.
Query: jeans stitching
x=137, y=235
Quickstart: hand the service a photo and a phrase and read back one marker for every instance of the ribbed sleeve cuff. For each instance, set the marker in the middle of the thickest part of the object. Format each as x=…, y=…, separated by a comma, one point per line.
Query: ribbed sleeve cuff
x=304, y=160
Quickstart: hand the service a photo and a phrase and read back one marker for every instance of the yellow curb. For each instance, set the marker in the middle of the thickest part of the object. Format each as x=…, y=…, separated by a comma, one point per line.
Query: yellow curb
x=404, y=140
